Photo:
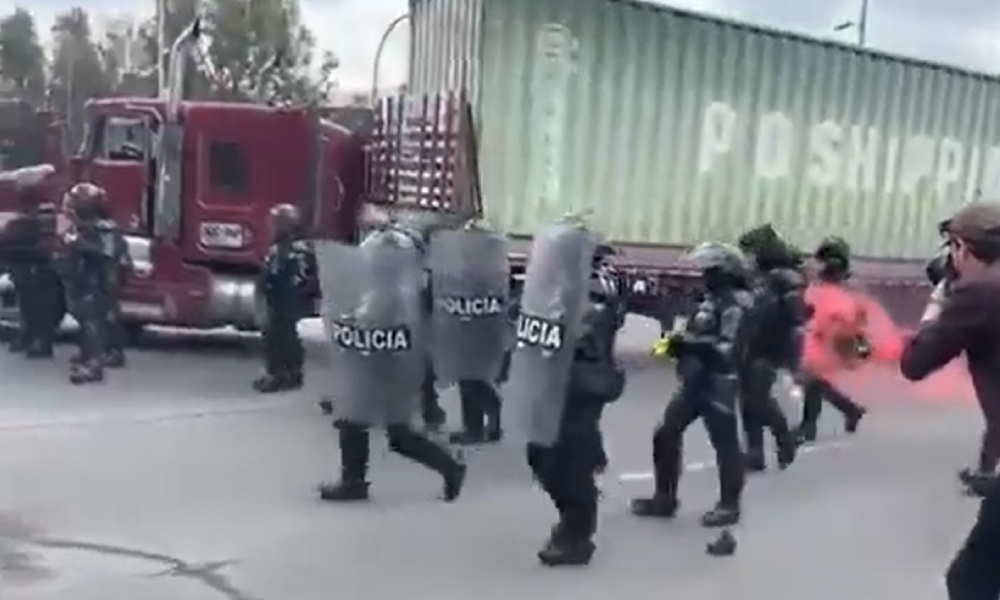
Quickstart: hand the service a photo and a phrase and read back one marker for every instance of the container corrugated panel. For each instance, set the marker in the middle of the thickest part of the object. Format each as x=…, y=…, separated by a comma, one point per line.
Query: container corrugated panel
x=445, y=46
x=672, y=127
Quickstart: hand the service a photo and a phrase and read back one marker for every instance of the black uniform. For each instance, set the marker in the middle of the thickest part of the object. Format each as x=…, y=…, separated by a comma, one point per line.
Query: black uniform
x=26, y=245
x=85, y=276
x=780, y=312
x=710, y=353
x=433, y=415
x=567, y=470
x=404, y=440
x=480, y=404
x=834, y=254
x=119, y=263
x=288, y=271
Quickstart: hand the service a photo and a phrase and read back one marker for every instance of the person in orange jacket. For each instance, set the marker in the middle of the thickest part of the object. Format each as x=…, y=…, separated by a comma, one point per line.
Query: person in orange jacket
x=836, y=339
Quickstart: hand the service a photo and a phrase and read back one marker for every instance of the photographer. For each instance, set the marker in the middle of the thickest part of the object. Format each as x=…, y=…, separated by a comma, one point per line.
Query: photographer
x=962, y=316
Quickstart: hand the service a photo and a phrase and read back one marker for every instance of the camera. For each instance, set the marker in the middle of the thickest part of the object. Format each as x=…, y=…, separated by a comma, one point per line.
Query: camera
x=941, y=268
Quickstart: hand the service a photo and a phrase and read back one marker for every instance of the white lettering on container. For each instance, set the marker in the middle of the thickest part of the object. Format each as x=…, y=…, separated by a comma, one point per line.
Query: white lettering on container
x=849, y=156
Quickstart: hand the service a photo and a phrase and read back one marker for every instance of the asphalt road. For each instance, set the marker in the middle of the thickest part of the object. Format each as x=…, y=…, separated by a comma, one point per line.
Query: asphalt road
x=173, y=481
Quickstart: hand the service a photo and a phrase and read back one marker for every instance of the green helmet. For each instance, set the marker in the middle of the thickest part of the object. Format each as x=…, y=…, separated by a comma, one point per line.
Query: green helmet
x=758, y=238
x=833, y=248
x=835, y=254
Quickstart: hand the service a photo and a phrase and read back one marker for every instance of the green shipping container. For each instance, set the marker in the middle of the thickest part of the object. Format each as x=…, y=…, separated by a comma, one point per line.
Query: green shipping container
x=673, y=127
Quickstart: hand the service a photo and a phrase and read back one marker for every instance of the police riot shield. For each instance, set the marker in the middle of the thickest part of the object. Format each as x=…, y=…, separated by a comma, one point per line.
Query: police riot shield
x=470, y=286
x=554, y=301
x=372, y=313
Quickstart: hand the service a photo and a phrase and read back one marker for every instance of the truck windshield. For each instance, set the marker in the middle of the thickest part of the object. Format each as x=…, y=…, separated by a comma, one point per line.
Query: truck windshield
x=125, y=139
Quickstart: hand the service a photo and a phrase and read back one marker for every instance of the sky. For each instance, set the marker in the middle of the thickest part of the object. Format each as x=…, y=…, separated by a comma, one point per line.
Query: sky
x=960, y=32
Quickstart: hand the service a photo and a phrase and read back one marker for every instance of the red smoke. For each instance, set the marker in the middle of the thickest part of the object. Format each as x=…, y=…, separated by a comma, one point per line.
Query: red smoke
x=841, y=315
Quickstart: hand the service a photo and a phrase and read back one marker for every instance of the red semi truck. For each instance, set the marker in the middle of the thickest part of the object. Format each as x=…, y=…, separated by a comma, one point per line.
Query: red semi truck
x=192, y=183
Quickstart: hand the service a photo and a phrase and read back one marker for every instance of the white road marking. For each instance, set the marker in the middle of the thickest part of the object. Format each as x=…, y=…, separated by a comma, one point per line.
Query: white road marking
x=695, y=467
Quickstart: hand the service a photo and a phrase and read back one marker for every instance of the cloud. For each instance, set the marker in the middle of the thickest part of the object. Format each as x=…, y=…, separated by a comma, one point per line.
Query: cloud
x=960, y=32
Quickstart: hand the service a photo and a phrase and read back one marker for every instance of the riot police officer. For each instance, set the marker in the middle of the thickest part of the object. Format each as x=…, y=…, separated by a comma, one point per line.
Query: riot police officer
x=834, y=257
x=26, y=245
x=286, y=283
x=470, y=329
x=563, y=373
x=379, y=356
x=780, y=312
x=119, y=264
x=85, y=269
x=709, y=351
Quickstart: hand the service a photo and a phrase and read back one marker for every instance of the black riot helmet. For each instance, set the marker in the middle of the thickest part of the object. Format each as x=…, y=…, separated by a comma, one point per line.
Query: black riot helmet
x=768, y=249
x=285, y=221
x=85, y=201
x=722, y=266
x=834, y=256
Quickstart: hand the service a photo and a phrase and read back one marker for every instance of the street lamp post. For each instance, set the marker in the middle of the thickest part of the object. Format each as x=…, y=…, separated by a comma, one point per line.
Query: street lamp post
x=376, y=63
x=861, y=24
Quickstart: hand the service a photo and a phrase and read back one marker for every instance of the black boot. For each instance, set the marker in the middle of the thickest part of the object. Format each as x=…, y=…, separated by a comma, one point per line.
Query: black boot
x=294, y=378
x=754, y=460
x=39, y=349
x=853, y=419
x=406, y=442
x=805, y=434
x=468, y=437
x=571, y=544
x=114, y=359
x=273, y=383
x=723, y=515
x=86, y=372
x=659, y=506
x=786, y=449
x=326, y=405
x=17, y=345
x=354, y=454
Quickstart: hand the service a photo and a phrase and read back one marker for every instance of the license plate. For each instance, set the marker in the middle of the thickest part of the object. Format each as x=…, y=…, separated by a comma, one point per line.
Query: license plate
x=221, y=235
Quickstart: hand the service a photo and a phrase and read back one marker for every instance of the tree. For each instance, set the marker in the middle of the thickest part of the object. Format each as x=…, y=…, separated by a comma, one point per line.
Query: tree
x=78, y=70
x=22, y=59
x=255, y=49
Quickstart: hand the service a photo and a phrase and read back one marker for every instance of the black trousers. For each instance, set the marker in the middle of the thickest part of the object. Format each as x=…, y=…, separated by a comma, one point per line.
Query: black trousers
x=759, y=408
x=480, y=406
x=430, y=405
x=38, y=295
x=88, y=310
x=713, y=400
x=283, y=351
x=974, y=573
x=989, y=453
x=814, y=392
x=567, y=472
x=355, y=449
x=114, y=328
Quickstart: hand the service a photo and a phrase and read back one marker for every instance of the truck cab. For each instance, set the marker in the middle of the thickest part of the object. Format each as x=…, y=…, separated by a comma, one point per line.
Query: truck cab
x=192, y=186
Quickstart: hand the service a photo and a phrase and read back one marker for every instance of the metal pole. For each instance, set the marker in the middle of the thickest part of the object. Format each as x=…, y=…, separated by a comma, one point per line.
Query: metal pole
x=863, y=24
x=378, y=53
x=161, y=42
